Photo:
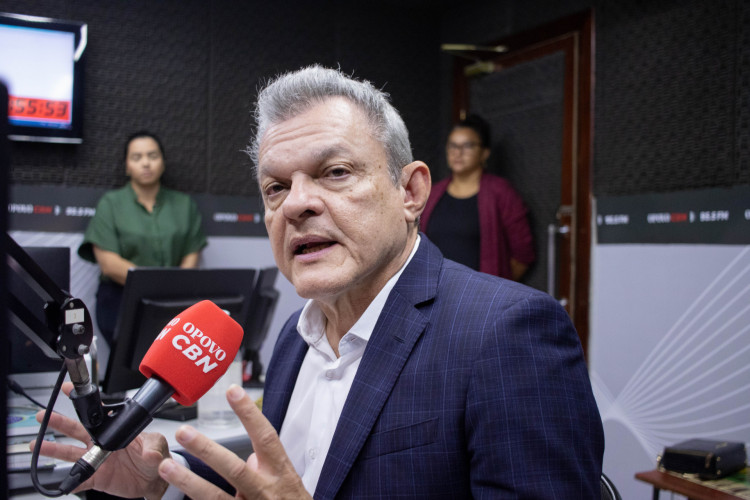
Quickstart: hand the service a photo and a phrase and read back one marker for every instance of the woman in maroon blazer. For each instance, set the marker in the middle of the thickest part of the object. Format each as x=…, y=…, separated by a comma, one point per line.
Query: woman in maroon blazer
x=474, y=217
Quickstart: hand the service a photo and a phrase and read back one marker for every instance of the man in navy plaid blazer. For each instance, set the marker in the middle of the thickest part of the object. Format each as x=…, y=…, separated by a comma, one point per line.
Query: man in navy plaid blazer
x=406, y=375
x=468, y=385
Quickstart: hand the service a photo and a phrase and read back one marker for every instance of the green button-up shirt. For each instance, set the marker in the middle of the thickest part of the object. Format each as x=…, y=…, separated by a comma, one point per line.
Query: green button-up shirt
x=159, y=238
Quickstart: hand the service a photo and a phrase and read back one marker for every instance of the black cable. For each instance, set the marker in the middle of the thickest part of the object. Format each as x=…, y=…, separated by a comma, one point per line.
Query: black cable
x=16, y=387
x=40, y=437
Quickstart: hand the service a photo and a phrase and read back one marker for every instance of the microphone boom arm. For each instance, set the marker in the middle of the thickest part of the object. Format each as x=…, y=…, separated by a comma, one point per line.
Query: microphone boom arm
x=67, y=334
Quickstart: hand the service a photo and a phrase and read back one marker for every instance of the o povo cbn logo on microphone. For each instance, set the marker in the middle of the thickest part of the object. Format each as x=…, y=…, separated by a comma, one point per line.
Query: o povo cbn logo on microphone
x=194, y=345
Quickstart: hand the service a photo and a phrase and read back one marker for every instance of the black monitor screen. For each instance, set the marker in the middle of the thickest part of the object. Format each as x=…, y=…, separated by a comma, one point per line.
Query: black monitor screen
x=262, y=307
x=25, y=356
x=152, y=297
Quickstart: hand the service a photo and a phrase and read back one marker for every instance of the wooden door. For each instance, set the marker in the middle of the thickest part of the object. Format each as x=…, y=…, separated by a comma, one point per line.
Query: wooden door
x=538, y=98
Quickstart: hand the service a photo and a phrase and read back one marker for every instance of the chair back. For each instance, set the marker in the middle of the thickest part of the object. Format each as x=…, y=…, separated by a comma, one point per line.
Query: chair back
x=609, y=492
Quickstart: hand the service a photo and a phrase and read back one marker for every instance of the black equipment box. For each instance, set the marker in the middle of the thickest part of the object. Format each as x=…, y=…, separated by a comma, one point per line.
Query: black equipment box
x=709, y=459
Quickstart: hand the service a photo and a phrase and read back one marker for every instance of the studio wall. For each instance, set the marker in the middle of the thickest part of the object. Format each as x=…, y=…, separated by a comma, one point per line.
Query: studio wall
x=189, y=71
x=671, y=82
x=668, y=363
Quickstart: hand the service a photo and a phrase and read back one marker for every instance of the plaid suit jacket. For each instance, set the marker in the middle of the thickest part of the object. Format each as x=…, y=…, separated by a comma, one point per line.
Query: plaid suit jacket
x=471, y=386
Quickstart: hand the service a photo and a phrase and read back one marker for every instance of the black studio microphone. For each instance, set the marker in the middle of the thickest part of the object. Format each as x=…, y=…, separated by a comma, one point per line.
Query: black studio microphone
x=186, y=359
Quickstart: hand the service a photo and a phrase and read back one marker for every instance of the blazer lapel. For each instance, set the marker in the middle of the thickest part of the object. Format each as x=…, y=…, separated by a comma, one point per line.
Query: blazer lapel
x=399, y=327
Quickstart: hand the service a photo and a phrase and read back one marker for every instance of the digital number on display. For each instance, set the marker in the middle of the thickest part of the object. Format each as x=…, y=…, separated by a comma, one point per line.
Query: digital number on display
x=38, y=109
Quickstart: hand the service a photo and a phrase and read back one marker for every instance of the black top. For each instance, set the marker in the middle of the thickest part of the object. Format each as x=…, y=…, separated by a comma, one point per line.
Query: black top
x=454, y=228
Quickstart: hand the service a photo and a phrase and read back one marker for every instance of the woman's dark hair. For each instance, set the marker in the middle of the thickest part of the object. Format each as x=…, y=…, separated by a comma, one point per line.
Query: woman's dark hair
x=140, y=134
x=478, y=125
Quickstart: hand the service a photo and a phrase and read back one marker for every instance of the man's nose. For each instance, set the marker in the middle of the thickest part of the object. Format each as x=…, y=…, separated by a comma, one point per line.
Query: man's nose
x=303, y=200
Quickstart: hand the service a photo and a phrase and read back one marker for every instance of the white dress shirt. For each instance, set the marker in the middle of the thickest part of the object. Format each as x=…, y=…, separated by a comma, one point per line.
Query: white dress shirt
x=324, y=382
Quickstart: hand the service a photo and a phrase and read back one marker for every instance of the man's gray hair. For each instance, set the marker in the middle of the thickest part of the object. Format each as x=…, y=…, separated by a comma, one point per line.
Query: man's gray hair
x=293, y=93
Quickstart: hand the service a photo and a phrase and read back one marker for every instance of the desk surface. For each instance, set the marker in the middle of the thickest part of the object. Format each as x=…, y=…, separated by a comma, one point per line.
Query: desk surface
x=234, y=438
x=695, y=489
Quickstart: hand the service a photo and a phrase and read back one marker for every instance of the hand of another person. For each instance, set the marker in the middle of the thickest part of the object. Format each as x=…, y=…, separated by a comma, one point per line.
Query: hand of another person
x=130, y=472
x=268, y=472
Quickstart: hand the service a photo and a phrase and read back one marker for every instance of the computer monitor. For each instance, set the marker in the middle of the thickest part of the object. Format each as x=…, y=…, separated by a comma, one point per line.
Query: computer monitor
x=152, y=297
x=25, y=357
x=262, y=306
x=42, y=65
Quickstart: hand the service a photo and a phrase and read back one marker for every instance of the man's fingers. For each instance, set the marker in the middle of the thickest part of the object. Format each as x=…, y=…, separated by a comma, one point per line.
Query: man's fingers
x=224, y=462
x=266, y=443
x=65, y=425
x=66, y=452
x=154, y=448
x=189, y=483
x=67, y=387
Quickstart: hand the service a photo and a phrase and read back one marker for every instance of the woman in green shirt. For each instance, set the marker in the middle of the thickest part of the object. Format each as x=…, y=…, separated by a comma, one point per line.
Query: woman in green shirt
x=140, y=224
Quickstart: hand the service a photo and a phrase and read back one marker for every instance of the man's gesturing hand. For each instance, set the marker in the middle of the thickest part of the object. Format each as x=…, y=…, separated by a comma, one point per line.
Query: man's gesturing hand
x=268, y=472
x=130, y=472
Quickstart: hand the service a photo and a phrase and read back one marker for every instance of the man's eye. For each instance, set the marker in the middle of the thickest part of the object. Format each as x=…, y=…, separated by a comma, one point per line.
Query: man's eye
x=337, y=172
x=273, y=189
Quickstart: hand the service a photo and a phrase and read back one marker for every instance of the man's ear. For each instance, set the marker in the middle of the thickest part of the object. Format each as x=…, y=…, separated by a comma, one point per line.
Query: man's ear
x=416, y=184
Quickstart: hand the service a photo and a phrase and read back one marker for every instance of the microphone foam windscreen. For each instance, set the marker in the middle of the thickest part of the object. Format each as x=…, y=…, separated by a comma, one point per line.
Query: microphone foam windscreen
x=193, y=351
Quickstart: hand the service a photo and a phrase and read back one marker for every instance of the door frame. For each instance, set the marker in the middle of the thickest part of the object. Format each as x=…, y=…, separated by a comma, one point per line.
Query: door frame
x=574, y=37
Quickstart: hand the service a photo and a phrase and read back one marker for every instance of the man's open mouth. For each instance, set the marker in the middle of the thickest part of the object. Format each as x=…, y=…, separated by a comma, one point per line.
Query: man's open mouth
x=312, y=247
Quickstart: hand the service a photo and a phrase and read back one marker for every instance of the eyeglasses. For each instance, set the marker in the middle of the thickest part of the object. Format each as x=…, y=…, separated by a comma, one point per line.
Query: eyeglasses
x=460, y=148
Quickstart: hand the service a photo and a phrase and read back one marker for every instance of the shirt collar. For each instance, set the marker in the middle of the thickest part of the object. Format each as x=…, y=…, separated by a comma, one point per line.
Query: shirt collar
x=312, y=321
x=159, y=194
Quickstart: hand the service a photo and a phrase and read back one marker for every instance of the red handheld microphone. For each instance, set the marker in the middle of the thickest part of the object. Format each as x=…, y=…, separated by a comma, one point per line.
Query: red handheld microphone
x=193, y=351
x=186, y=359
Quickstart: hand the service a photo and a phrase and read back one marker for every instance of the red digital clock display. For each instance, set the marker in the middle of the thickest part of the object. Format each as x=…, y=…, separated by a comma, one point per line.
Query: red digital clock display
x=38, y=109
